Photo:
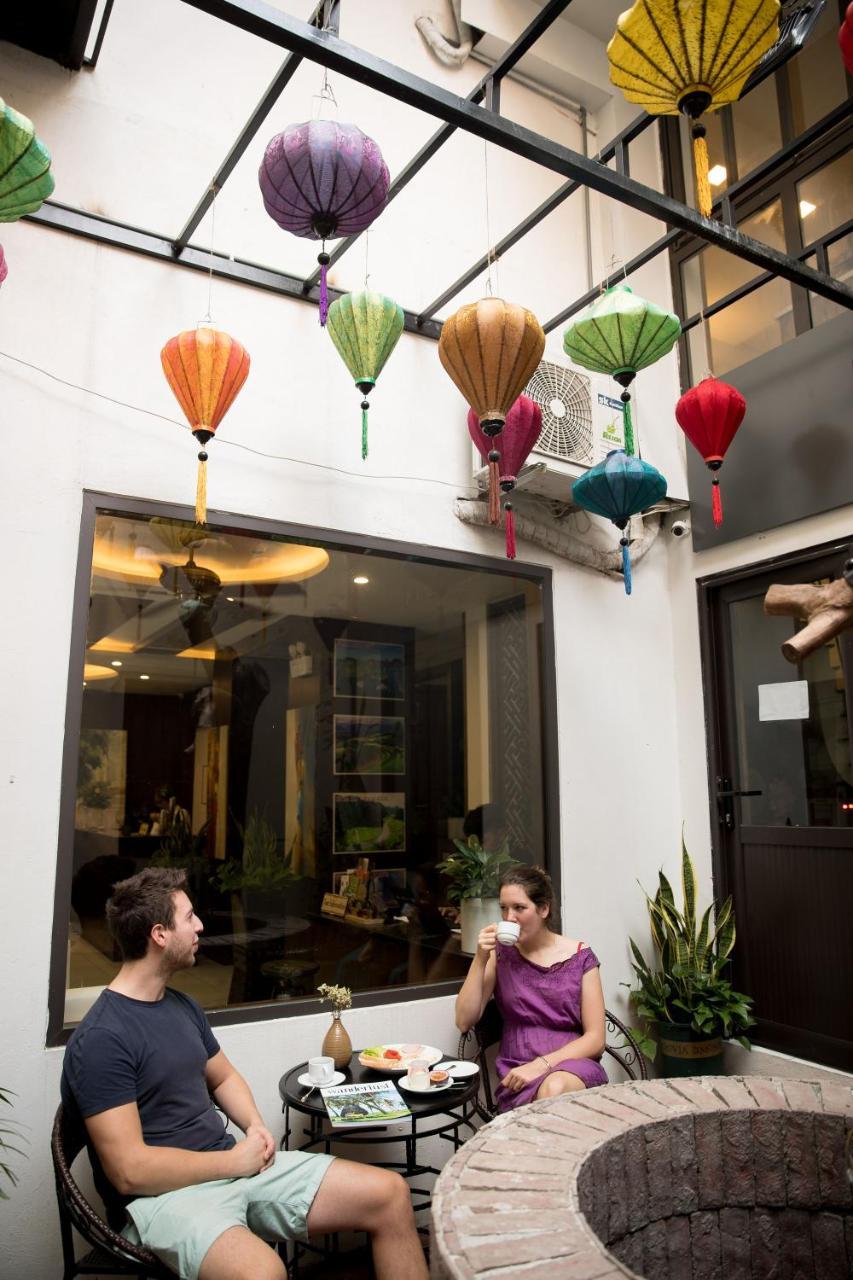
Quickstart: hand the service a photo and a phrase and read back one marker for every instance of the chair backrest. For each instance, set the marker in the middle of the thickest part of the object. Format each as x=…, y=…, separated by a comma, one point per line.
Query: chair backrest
x=489, y=1029
x=67, y=1140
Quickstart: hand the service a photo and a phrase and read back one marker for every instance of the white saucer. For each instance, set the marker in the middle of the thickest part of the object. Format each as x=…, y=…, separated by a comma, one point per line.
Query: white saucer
x=459, y=1070
x=424, y=1093
x=306, y=1081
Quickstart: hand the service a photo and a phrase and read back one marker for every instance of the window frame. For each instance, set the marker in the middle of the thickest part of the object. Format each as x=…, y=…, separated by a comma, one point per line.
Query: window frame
x=94, y=502
x=775, y=178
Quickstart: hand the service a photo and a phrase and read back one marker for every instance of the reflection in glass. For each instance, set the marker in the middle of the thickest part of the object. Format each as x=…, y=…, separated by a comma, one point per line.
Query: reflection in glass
x=825, y=198
x=801, y=765
x=757, y=127
x=746, y=329
x=816, y=74
x=251, y=714
x=840, y=263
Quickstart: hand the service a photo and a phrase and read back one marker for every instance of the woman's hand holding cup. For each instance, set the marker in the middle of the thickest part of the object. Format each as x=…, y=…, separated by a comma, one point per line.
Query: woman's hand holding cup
x=487, y=939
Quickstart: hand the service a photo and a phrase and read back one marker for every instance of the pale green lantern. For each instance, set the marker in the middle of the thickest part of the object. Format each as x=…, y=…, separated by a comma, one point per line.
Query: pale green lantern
x=620, y=334
x=25, y=179
x=365, y=327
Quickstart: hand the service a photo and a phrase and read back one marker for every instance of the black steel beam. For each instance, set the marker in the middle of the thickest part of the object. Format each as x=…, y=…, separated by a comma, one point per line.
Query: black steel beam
x=120, y=236
x=516, y=51
x=274, y=91
x=359, y=64
x=533, y=219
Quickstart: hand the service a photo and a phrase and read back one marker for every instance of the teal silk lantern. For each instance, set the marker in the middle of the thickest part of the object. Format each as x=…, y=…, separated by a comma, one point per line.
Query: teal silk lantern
x=620, y=334
x=365, y=327
x=618, y=488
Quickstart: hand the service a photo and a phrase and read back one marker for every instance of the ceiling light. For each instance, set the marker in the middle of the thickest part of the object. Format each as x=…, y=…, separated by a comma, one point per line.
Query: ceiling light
x=361, y=581
x=93, y=671
x=144, y=677
x=806, y=207
x=717, y=175
x=230, y=599
x=115, y=663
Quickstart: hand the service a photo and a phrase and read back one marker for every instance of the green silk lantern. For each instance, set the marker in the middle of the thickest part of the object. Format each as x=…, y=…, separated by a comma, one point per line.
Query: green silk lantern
x=25, y=179
x=365, y=327
x=620, y=334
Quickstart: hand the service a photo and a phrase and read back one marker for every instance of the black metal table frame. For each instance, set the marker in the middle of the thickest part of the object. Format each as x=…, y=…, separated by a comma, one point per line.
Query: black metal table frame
x=457, y=1106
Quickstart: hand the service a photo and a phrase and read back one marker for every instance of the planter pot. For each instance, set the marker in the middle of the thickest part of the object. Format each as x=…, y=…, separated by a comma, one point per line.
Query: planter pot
x=474, y=915
x=684, y=1052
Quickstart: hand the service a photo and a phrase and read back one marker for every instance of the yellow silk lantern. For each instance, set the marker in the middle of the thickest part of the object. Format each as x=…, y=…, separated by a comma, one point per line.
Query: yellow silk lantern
x=490, y=349
x=691, y=56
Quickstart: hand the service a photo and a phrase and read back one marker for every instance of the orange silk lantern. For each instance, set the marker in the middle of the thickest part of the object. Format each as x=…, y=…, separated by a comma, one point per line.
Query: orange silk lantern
x=490, y=349
x=205, y=368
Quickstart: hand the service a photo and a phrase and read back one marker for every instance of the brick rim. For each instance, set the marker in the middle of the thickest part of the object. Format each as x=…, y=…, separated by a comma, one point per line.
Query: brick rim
x=528, y=1173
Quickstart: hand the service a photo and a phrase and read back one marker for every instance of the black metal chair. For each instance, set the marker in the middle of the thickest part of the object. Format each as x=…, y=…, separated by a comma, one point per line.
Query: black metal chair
x=473, y=1044
x=110, y=1253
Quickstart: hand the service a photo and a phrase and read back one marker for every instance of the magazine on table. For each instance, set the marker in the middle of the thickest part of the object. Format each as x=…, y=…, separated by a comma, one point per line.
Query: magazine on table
x=370, y=1105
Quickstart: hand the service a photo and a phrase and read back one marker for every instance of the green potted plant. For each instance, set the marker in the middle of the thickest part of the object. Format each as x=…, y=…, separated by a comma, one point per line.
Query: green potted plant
x=8, y=1129
x=261, y=874
x=687, y=998
x=475, y=874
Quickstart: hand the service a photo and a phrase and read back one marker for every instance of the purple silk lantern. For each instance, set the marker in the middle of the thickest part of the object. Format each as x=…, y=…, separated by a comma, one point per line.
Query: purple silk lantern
x=521, y=430
x=323, y=180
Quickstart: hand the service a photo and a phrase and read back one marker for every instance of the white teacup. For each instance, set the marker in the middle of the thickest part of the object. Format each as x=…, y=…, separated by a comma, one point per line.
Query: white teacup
x=508, y=932
x=321, y=1070
x=418, y=1074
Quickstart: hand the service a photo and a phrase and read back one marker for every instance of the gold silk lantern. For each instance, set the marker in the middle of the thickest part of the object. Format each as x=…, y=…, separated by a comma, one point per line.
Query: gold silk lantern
x=691, y=56
x=490, y=349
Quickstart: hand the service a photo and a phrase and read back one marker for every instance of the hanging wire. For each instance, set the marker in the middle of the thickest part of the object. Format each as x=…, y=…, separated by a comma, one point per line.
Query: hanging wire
x=366, y=256
x=207, y=318
x=326, y=97
x=491, y=256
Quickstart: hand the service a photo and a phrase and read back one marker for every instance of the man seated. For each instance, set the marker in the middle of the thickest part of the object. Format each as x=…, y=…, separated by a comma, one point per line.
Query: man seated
x=149, y=1079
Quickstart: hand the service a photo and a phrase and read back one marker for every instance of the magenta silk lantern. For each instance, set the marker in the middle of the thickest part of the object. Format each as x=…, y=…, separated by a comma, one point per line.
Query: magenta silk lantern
x=4, y=270
x=521, y=430
x=323, y=180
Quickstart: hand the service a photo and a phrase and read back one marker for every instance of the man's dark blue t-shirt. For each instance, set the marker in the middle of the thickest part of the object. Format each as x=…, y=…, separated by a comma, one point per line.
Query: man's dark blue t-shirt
x=153, y=1053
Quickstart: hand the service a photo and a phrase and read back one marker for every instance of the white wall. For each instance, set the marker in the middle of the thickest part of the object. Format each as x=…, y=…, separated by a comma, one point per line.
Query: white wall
x=629, y=707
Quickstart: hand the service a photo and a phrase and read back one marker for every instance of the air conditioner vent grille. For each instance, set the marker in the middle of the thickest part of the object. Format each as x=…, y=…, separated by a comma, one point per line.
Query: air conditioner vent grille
x=565, y=399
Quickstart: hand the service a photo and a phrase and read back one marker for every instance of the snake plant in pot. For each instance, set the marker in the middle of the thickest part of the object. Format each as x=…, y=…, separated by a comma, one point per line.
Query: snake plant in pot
x=687, y=996
x=475, y=875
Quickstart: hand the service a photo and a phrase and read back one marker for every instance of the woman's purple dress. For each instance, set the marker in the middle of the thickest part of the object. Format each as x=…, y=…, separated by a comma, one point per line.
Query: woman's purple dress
x=541, y=1010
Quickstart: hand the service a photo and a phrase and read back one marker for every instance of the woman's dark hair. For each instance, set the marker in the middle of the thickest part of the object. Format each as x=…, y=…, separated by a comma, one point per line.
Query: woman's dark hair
x=536, y=883
x=140, y=902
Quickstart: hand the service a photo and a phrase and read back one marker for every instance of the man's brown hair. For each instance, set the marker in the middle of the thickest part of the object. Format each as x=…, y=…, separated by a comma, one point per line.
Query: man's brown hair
x=139, y=903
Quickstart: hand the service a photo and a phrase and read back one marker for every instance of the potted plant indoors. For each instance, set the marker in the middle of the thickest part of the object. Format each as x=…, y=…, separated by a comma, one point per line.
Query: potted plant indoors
x=475, y=874
x=687, y=998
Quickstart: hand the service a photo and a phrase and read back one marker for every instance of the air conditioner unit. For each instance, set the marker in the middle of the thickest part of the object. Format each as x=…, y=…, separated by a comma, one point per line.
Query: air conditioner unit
x=582, y=421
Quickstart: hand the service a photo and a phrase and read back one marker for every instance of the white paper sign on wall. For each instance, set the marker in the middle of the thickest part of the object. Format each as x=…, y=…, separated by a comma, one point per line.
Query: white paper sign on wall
x=787, y=700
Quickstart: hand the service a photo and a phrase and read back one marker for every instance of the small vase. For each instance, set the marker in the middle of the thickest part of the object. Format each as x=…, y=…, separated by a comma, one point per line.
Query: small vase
x=337, y=1044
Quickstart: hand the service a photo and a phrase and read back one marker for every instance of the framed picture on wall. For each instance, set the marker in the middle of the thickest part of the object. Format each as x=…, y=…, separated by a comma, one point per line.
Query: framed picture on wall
x=370, y=822
x=370, y=744
x=369, y=669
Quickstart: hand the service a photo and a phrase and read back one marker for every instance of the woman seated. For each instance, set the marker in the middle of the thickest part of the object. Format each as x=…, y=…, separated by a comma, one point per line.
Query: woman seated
x=548, y=991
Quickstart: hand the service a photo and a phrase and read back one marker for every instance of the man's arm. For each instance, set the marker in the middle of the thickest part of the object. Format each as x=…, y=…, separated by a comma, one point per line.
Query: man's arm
x=136, y=1169
x=233, y=1096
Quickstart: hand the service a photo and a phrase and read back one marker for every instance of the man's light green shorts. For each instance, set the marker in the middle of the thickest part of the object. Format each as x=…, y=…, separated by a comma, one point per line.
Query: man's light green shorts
x=180, y=1226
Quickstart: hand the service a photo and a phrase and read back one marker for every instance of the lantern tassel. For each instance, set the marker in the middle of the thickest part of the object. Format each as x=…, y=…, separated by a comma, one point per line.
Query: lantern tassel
x=323, y=259
x=628, y=424
x=716, y=502
x=626, y=565
x=494, y=487
x=700, y=165
x=201, y=489
x=510, y=531
x=365, y=405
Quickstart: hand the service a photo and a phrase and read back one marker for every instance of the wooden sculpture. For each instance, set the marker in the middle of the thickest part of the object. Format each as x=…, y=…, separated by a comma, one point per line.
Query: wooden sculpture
x=826, y=610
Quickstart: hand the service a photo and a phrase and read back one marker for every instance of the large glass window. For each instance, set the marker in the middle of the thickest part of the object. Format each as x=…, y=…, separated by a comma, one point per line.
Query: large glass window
x=304, y=727
x=816, y=76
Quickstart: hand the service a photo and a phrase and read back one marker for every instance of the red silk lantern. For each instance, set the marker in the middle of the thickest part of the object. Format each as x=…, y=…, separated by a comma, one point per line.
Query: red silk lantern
x=845, y=39
x=205, y=368
x=522, y=428
x=709, y=415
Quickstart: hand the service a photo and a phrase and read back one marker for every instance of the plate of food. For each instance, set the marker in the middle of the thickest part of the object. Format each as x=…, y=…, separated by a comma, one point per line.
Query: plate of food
x=396, y=1057
x=438, y=1080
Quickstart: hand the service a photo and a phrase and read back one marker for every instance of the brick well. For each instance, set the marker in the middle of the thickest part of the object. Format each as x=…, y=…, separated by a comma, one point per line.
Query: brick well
x=710, y=1178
